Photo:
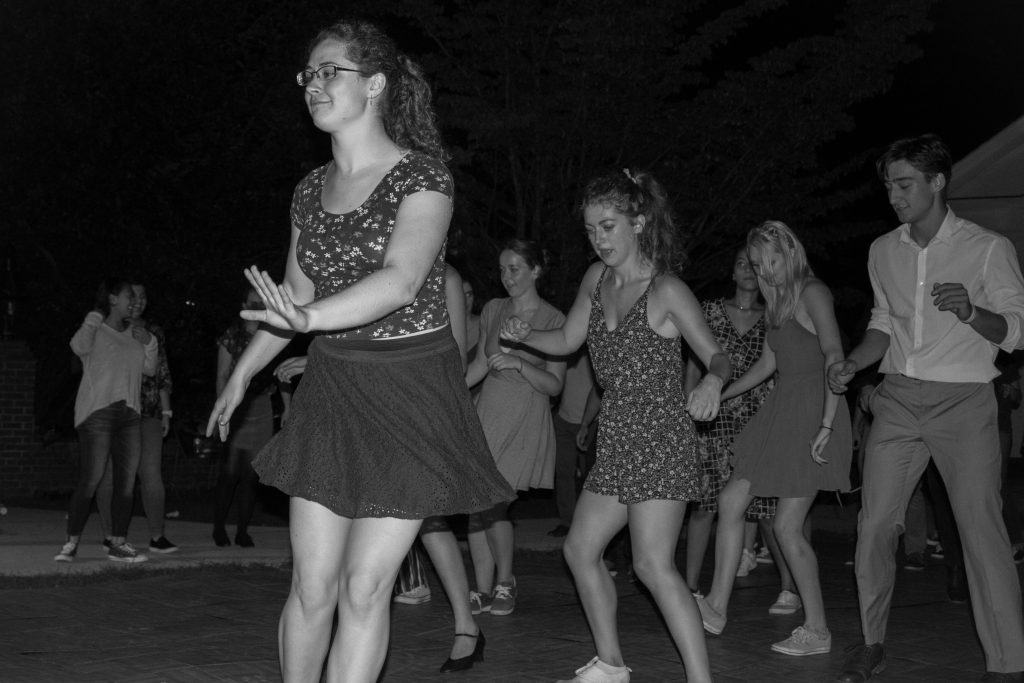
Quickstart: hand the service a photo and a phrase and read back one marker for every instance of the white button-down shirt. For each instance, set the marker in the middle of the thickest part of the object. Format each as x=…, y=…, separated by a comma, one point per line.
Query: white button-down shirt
x=924, y=342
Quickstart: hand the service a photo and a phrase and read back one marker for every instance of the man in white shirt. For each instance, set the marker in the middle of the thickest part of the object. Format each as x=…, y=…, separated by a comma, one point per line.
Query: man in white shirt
x=948, y=295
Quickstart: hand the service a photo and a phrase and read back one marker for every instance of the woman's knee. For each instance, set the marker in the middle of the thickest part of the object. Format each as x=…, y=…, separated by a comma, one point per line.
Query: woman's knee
x=651, y=570
x=733, y=501
x=315, y=591
x=364, y=590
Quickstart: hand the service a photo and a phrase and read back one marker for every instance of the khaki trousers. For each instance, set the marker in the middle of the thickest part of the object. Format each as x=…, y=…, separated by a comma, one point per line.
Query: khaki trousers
x=954, y=424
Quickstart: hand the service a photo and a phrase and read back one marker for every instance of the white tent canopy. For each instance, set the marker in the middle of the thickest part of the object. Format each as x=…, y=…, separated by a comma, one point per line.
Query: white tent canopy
x=988, y=184
x=988, y=188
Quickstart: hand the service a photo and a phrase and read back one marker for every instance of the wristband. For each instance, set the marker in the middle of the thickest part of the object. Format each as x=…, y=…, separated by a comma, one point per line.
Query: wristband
x=972, y=316
x=167, y=413
x=825, y=427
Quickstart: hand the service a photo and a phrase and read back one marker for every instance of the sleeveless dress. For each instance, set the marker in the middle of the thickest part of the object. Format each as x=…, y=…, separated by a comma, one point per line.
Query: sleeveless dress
x=382, y=424
x=773, y=452
x=516, y=417
x=646, y=445
x=716, y=436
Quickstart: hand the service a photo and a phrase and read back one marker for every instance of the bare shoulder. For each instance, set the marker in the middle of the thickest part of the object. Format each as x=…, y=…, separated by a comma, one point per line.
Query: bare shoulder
x=591, y=277
x=815, y=292
x=668, y=288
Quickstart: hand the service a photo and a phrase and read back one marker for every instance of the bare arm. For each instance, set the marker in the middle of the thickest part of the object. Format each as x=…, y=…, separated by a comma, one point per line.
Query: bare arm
x=565, y=340
x=420, y=229
x=870, y=350
x=264, y=347
x=759, y=372
x=684, y=314
x=817, y=300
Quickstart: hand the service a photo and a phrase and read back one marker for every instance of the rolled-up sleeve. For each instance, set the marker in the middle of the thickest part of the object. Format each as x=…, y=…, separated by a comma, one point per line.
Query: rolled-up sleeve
x=1004, y=291
x=880, y=309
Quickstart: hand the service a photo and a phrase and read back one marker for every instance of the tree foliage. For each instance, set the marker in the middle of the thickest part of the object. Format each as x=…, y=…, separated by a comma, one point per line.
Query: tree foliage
x=165, y=137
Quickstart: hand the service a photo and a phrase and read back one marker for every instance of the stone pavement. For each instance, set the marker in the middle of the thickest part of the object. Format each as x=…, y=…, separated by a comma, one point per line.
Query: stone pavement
x=210, y=614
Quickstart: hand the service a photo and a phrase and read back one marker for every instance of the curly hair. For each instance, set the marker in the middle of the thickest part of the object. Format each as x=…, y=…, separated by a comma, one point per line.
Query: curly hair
x=406, y=107
x=638, y=193
x=780, y=298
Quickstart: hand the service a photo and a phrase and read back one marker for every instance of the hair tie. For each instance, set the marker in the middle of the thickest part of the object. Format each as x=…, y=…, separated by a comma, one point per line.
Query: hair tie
x=629, y=175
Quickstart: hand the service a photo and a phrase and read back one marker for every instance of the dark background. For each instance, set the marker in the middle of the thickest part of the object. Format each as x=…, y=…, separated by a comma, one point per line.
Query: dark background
x=163, y=139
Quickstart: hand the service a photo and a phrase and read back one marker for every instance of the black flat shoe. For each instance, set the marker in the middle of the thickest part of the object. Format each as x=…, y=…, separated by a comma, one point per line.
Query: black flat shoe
x=463, y=663
x=244, y=540
x=220, y=537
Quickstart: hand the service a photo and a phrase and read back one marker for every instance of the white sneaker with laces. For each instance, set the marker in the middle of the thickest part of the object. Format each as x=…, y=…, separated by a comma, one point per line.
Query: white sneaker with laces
x=803, y=642
x=596, y=671
x=417, y=596
x=748, y=563
x=67, y=552
x=788, y=602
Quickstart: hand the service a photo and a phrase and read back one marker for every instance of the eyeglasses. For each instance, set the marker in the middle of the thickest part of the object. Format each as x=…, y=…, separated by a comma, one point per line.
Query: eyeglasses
x=326, y=73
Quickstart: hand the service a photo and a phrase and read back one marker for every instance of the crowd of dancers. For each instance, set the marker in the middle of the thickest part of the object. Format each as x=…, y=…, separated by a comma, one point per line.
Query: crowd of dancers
x=383, y=439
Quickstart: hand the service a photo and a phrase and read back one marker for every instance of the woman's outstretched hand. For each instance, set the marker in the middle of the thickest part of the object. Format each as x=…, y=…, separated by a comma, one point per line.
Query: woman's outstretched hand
x=281, y=311
x=703, y=401
x=514, y=329
x=224, y=408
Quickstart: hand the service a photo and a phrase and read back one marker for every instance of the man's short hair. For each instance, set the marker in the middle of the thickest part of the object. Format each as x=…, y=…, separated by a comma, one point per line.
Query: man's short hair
x=927, y=153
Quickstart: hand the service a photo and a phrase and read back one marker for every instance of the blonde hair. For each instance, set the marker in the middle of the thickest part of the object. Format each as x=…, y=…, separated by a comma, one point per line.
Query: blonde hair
x=780, y=297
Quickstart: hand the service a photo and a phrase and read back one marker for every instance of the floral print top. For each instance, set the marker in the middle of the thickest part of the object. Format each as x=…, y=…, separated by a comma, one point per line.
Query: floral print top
x=337, y=250
x=161, y=381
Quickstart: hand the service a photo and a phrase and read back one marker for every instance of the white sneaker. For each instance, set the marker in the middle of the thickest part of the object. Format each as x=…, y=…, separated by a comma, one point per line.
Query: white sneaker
x=787, y=603
x=417, y=596
x=804, y=642
x=596, y=671
x=67, y=552
x=748, y=563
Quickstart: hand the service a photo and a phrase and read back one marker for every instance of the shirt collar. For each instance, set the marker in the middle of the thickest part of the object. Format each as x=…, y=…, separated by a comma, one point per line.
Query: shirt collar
x=949, y=227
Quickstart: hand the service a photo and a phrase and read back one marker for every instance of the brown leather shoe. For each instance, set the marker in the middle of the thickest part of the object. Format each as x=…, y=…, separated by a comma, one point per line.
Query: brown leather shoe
x=862, y=662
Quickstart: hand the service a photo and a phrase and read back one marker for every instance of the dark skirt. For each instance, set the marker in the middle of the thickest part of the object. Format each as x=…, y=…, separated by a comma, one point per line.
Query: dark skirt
x=384, y=429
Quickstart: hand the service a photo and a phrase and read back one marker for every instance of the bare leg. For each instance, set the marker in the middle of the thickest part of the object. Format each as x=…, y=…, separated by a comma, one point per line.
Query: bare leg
x=654, y=527
x=732, y=506
x=768, y=536
x=501, y=539
x=789, y=530
x=447, y=560
x=480, y=553
x=749, y=535
x=595, y=522
x=698, y=534
x=373, y=553
x=318, y=537
x=348, y=565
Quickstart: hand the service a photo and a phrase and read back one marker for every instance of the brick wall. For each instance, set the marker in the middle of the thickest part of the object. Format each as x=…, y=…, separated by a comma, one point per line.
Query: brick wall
x=26, y=468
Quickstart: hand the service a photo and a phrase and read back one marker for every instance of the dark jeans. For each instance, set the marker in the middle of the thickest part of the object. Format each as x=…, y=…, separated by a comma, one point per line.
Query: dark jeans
x=109, y=437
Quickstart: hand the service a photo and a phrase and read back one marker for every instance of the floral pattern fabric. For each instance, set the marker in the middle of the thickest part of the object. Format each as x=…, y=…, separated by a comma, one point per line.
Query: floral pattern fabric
x=646, y=445
x=337, y=250
x=161, y=381
x=717, y=435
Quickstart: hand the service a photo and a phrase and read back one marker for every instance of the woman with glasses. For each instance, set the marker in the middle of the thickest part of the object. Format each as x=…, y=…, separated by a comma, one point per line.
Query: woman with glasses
x=252, y=426
x=381, y=433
